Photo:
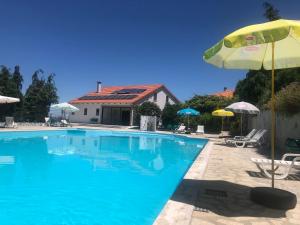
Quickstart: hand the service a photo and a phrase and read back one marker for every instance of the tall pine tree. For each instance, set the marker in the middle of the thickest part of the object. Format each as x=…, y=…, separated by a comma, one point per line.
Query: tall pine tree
x=17, y=79
x=39, y=96
x=11, y=85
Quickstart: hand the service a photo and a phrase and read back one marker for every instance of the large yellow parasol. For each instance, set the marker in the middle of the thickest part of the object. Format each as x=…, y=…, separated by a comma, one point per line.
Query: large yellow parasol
x=272, y=45
x=222, y=113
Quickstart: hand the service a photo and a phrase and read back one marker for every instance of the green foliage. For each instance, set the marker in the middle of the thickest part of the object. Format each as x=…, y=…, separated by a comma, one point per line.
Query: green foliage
x=11, y=85
x=271, y=13
x=287, y=100
x=169, y=115
x=256, y=87
x=211, y=123
x=149, y=109
x=207, y=103
x=39, y=96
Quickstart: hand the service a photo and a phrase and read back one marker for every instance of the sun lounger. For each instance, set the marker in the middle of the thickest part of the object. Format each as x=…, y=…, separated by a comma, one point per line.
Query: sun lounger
x=10, y=123
x=200, y=129
x=180, y=129
x=256, y=140
x=239, y=138
x=264, y=165
x=65, y=123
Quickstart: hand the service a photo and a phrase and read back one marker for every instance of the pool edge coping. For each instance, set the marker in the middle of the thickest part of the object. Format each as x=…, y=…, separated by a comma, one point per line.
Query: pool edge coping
x=175, y=212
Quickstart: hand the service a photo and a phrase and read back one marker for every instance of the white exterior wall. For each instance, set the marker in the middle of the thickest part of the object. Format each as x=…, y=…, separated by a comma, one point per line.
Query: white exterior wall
x=161, y=99
x=79, y=116
x=286, y=127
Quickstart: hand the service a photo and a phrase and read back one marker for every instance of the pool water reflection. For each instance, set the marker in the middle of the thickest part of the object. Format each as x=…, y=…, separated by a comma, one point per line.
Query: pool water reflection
x=90, y=177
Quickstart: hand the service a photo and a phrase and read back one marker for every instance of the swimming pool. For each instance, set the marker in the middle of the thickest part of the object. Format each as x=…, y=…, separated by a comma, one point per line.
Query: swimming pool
x=90, y=177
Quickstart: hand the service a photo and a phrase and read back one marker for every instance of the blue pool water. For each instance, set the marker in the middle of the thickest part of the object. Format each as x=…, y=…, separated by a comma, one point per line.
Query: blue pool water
x=88, y=177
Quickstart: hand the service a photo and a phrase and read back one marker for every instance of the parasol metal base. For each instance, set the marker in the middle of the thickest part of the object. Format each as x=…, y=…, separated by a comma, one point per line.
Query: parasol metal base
x=273, y=198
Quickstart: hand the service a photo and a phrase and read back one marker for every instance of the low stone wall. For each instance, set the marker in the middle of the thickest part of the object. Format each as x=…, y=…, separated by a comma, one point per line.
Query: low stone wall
x=286, y=127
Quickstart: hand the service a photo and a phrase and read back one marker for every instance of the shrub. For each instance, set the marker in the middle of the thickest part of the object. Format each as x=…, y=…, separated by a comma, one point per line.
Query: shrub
x=169, y=116
x=149, y=109
x=287, y=100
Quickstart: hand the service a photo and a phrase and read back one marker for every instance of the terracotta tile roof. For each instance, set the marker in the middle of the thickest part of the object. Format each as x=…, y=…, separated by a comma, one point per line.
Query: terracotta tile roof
x=225, y=94
x=108, y=91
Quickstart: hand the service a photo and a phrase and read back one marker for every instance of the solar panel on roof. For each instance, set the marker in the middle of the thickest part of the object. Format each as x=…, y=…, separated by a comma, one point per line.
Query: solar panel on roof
x=108, y=97
x=129, y=91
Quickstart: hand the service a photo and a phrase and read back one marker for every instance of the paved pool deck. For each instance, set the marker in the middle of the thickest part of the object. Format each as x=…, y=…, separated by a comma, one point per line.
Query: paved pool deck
x=220, y=194
x=216, y=188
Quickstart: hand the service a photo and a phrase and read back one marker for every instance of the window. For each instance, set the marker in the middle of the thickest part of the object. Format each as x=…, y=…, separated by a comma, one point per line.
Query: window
x=97, y=112
x=85, y=111
x=167, y=99
x=73, y=113
x=155, y=97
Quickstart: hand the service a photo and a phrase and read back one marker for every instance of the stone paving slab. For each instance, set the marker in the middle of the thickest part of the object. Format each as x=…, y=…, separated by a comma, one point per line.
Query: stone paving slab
x=230, y=169
x=221, y=194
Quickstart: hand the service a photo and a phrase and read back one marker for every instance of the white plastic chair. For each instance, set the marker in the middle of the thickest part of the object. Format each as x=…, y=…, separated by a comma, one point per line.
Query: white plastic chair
x=10, y=123
x=264, y=164
x=200, y=129
x=47, y=121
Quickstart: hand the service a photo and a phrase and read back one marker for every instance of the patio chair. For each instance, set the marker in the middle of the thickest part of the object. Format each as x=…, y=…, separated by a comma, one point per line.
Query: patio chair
x=287, y=165
x=236, y=138
x=10, y=123
x=65, y=123
x=200, y=129
x=47, y=122
x=256, y=140
x=180, y=129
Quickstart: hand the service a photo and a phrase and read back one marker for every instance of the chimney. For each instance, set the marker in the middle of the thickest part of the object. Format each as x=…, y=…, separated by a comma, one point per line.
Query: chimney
x=99, y=86
x=225, y=88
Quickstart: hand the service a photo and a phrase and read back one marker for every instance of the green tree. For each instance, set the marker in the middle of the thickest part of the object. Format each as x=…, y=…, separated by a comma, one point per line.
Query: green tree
x=11, y=85
x=271, y=13
x=39, y=96
x=256, y=87
x=149, y=109
x=17, y=79
x=206, y=105
x=169, y=115
x=287, y=100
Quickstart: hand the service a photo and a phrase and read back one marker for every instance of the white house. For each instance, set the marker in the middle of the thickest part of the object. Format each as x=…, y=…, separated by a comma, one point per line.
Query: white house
x=115, y=105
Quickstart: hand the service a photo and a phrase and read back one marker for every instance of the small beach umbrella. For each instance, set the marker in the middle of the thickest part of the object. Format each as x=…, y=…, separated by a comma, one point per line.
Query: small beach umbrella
x=6, y=100
x=272, y=45
x=243, y=108
x=222, y=113
x=188, y=112
x=64, y=107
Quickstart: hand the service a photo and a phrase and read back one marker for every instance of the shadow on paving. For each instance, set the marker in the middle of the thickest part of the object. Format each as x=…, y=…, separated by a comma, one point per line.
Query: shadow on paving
x=292, y=177
x=261, y=150
x=222, y=198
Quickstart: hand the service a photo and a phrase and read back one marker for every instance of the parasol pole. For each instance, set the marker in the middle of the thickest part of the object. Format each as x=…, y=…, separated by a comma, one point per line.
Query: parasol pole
x=241, y=124
x=273, y=113
x=222, y=125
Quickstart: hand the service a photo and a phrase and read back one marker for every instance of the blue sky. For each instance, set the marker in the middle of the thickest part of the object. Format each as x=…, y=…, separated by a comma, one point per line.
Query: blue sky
x=123, y=42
